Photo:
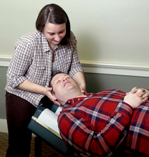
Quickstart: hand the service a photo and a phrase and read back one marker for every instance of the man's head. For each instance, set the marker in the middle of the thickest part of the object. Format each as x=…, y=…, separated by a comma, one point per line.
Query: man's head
x=64, y=87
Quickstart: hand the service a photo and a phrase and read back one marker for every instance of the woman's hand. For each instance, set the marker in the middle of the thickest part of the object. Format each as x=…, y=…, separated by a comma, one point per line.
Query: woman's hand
x=83, y=88
x=79, y=78
x=48, y=93
x=32, y=87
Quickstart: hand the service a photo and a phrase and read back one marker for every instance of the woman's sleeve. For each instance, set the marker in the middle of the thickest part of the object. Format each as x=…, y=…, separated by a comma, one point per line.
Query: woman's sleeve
x=82, y=135
x=75, y=65
x=19, y=64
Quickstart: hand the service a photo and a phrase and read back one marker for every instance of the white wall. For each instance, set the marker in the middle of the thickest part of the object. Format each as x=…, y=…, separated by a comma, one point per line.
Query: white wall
x=108, y=31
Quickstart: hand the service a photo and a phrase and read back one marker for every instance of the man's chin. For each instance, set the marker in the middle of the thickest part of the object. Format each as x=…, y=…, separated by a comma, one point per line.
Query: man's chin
x=69, y=88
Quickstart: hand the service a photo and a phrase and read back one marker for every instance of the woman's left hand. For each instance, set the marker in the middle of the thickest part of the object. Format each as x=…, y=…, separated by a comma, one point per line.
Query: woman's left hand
x=79, y=78
x=83, y=89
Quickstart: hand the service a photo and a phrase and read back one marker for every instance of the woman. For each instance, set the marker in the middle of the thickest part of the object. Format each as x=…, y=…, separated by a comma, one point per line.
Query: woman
x=37, y=56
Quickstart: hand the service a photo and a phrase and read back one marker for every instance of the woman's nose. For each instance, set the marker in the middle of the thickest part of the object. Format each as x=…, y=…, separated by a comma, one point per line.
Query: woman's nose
x=57, y=38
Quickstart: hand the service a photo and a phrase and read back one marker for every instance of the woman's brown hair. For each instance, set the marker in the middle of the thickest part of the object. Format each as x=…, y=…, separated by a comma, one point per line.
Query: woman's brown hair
x=54, y=14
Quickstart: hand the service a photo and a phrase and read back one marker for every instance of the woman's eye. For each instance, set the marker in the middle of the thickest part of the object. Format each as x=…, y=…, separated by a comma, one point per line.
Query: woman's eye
x=51, y=34
x=61, y=32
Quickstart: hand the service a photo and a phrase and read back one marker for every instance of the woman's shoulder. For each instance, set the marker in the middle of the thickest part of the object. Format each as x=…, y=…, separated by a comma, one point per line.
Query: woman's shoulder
x=31, y=37
x=73, y=39
x=72, y=35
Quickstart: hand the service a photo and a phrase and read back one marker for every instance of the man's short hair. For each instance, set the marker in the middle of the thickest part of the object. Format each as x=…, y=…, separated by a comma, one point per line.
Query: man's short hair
x=58, y=72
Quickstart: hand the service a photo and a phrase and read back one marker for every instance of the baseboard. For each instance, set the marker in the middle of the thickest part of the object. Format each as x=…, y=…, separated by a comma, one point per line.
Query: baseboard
x=3, y=124
x=100, y=68
x=115, y=69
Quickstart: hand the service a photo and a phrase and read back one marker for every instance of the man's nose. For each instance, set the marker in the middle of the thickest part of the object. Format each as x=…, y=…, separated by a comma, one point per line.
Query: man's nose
x=64, y=78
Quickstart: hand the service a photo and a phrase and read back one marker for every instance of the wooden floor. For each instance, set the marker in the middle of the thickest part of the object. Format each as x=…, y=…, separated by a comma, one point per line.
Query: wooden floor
x=47, y=151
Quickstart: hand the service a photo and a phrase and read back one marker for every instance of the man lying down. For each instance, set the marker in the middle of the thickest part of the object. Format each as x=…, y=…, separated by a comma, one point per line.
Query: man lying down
x=97, y=124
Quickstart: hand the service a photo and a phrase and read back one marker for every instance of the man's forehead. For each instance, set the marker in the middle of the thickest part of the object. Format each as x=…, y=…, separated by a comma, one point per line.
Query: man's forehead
x=58, y=76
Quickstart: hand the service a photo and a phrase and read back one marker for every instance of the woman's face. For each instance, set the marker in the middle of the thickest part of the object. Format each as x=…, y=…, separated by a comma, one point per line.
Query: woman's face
x=54, y=33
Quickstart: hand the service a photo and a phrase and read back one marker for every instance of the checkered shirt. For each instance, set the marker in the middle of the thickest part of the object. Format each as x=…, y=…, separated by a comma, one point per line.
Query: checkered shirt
x=98, y=124
x=32, y=60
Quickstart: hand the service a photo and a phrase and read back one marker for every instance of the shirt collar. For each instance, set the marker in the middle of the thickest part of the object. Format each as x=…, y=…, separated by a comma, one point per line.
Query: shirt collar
x=46, y=47
x=75, y=100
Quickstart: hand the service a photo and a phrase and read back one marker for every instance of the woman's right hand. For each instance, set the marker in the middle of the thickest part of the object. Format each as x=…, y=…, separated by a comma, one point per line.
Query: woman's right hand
x=48, y=93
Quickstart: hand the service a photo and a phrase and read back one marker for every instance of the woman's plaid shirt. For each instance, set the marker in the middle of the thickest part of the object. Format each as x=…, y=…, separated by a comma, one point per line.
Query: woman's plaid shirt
x=96, y=125
x=33, y=60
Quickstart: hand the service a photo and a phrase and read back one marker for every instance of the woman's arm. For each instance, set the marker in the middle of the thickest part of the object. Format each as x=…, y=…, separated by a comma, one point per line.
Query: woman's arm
x=76, y=70
x=79, y=78
x=27, y=85
x=35, y=88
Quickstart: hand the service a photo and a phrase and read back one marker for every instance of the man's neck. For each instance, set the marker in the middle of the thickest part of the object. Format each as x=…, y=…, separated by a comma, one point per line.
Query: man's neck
x=81, y=95
x=72, y=97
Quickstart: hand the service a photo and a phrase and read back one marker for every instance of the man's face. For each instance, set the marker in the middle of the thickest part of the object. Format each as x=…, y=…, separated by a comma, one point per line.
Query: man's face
x=62, y=85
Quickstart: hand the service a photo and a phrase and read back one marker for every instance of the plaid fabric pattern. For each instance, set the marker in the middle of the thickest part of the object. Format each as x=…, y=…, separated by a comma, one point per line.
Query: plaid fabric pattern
x=138, y=136
x=33, y=60
x=98, y=124
x=95, y=125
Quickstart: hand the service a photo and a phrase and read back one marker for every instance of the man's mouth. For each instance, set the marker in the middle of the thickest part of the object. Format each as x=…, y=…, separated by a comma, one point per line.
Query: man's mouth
x=65, y=83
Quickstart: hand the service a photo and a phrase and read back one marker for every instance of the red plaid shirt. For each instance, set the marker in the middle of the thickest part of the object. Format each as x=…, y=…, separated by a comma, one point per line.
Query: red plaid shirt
x=96, y=125
x=138, y=135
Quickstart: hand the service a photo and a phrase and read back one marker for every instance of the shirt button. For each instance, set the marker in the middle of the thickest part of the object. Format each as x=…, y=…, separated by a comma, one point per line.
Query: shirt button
x=78, y=99
x=68, y=101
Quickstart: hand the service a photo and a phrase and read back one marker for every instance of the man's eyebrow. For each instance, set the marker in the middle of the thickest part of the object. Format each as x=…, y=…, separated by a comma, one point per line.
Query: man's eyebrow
x=52, y=81
x=56, y=79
